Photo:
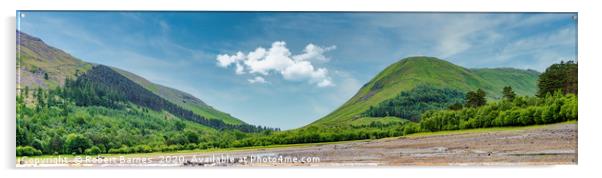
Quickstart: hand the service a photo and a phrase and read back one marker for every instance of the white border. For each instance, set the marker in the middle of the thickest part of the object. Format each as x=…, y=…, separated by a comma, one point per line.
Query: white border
x=589, y=60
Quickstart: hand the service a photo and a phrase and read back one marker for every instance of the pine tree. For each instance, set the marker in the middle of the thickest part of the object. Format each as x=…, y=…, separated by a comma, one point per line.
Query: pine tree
x=475, y=98
x=561, y=77
x=508, y=93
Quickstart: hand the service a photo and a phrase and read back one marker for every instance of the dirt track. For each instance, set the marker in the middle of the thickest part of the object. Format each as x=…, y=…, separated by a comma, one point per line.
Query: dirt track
x=543, y=145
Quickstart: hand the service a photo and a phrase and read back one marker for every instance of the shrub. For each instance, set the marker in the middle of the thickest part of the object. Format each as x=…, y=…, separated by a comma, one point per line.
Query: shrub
x=77, y=143
x=93, y=151
x=28, y=151
x=522, y=111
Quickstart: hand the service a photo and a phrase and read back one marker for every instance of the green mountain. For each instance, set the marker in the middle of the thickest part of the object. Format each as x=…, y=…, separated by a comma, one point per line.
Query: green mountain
x=36, y=60
x=181, y=98
x=412, y=72
x=42, y=66
x=523, y=82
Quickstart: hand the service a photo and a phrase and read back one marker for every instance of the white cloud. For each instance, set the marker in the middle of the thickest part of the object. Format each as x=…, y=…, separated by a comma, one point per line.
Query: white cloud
x=314, y=53
x=257, y=79
x=279, y=60
x=240, y=69
x=303, y=70
x=325, y=83
x=224, y=60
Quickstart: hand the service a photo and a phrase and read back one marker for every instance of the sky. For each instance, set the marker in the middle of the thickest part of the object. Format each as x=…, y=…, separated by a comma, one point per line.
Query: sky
x=285, y=69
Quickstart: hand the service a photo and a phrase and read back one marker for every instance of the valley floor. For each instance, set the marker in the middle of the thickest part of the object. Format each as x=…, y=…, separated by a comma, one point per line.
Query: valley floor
x=552, y=144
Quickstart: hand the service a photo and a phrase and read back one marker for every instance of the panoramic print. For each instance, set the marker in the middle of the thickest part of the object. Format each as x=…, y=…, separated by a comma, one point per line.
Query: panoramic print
x=295, y=89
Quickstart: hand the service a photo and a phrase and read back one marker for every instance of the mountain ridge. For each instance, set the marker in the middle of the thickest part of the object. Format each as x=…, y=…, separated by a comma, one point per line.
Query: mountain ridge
x=36, y=60
x=181, y=98
x=411, y=72
x=44, y=66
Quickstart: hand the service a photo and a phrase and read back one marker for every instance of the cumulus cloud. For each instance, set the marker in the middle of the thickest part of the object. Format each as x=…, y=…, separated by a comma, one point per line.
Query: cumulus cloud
x=279, y=60
x=257, y=79
x=314, y=53
x=224, y=60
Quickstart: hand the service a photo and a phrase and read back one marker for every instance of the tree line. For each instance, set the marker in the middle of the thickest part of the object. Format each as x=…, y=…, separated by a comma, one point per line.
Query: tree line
x=411, y=104
x=103, y=86
x=520, y=111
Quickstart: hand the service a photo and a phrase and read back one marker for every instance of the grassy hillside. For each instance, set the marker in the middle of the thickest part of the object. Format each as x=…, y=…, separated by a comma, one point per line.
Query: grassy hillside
x=182, y=99
x=409, y=73
x=36, y=60
x=103, y=86
x=522, y=81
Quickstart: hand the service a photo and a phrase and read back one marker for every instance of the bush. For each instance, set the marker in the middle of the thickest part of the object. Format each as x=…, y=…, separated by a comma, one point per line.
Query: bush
x=146, y=149
x=77, y=143
x=28, y=151
x=520, y=112
x=113, y=151
x=93, y=151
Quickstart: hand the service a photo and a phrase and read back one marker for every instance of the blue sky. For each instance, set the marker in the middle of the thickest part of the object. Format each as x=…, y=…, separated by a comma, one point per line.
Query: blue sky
x=288, y=69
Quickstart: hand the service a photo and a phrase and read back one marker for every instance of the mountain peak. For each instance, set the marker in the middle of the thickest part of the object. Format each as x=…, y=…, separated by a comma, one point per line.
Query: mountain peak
x=411, y=72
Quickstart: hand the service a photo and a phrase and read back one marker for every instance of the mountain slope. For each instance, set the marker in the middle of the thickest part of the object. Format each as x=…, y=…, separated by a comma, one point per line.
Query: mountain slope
x=36, y=60
x=522, y=81
x=181, y=99
x=103, y=86
x=409, y=73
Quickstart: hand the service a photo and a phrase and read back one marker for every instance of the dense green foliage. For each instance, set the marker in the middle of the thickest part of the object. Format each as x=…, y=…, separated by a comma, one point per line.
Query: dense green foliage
x=51, y=124
x=521, y=111
x=411, y=104
x=561, y=77
x=28, y=151
x=77, y=143
x=374, y=130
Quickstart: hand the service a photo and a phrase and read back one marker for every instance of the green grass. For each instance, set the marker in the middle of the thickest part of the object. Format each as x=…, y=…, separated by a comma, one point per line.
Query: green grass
x=408, y=73
x=522, y=82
